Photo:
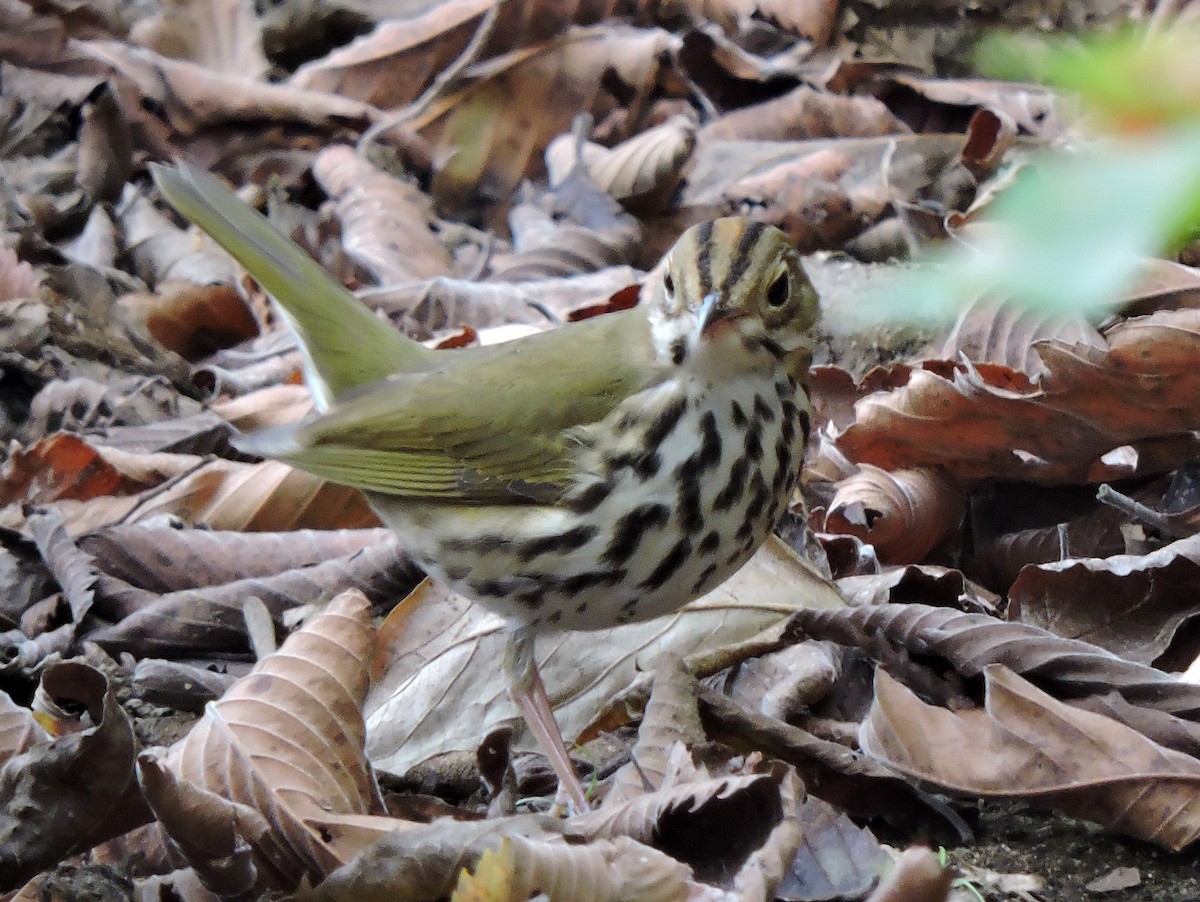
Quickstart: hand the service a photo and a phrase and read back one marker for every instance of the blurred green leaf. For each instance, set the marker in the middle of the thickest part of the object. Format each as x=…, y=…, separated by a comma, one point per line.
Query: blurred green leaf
x=1070, y=234
x=1130, y=80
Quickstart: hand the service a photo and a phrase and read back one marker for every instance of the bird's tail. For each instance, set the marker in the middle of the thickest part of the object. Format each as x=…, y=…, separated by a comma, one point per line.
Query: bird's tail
x=345, y=344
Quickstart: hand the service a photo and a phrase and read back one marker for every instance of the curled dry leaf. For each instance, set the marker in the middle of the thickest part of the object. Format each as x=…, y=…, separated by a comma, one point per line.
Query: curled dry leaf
x=1004, y=332
x=287, y=742
x=1034, y=108
x=783, y=684
x=65, y=796
x=711, y=825
x=992, y=421
x=216, y=836
x=672, y=716
x=836, y=772
x=1025, y=744
x=574, y=228
x=939, y=586
x=19, y=731
x=904, y=513
x=72, y=568
x=385, y=221
x=1129, y=604
x=971, y=642
x=641, y=172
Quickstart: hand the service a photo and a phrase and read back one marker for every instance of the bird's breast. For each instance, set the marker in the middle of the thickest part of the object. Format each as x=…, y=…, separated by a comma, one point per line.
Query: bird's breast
x=674, y=491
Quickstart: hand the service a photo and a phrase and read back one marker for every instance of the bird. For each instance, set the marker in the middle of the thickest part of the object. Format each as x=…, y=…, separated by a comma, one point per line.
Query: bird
x=605, y=472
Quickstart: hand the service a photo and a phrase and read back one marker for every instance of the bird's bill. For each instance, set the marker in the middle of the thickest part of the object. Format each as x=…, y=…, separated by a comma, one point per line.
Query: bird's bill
x=713, y=315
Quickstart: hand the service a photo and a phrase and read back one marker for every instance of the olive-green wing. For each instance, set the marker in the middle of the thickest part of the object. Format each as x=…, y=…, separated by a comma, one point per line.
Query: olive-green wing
x=491, y=425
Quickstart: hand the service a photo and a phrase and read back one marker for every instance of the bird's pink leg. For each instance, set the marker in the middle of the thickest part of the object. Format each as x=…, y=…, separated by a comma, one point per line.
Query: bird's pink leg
x=527, y=690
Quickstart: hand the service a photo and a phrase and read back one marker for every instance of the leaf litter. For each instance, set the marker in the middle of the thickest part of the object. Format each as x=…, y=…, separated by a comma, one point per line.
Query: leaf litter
x=478, y=167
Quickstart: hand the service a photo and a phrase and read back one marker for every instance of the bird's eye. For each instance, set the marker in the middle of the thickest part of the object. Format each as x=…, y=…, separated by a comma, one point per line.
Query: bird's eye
x=669, y=284
x=777, y=293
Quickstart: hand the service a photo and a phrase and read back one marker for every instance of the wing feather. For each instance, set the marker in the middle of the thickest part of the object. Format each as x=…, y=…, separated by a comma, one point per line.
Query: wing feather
x=492, y=425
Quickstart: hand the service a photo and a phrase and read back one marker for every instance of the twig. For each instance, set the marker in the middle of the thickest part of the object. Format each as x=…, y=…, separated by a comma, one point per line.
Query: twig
x=1106, y=494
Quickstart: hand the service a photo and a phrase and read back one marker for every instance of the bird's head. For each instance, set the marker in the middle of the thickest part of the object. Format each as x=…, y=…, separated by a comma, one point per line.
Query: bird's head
x=731, y=284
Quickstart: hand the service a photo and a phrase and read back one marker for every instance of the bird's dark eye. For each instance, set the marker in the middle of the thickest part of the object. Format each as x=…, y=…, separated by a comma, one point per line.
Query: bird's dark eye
x=777, y=293
x=669, y=283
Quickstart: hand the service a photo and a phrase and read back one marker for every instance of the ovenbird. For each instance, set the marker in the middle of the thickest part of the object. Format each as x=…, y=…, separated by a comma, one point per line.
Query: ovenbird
x=606, y=472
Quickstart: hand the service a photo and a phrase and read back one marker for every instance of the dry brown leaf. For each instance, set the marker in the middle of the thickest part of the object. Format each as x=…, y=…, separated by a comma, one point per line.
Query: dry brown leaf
x=812, y=19
x=193, y=97
x=100, y=486
x=446, y=303
x=105, y=147
x=164, y=253
x=72, y=568
x=803, y=114
x=164, y=558
x=1131, y=605
x=399, y=59
x=986, y=420
x=385, y=222
x=919, y=876
x=1162, y=284
x=1025, y=744
x=224, y=35
x=493, y=133
x=218, y=837
x=199, y=622
x=784, y=684
x=904, y=513
x=836, y=772
x=837, y=858
x=57, y=467
x=67, y=795
x=286, y=743
x=976, y=422
x=424, y=864
x=17, y=279
x=275, y=405
x=442, y=658
x=193, y=320
x=1034, y=108
x=928, y=583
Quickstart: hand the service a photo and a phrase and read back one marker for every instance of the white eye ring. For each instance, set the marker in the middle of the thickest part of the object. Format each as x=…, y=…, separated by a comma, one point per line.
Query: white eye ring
x=669, y=285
